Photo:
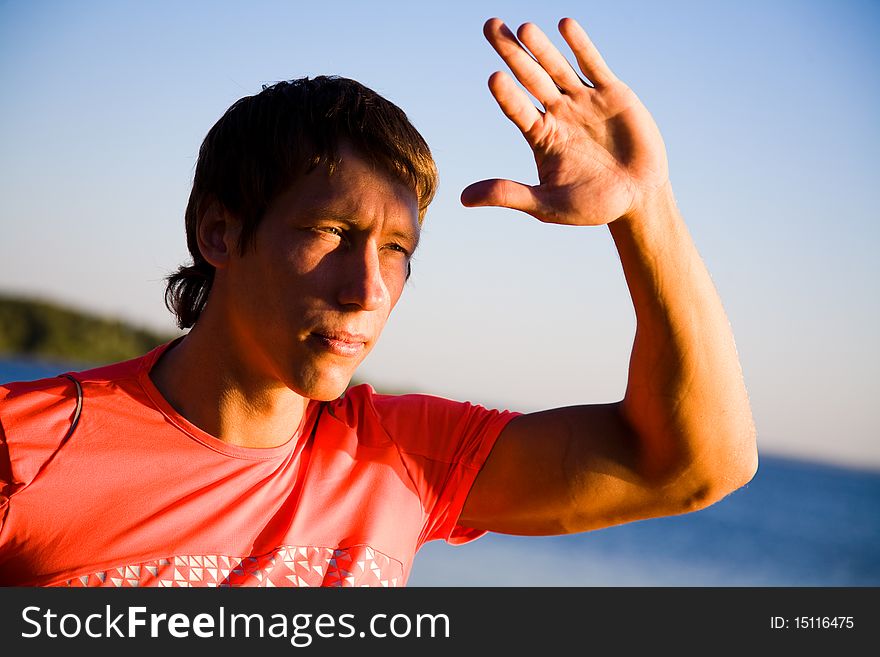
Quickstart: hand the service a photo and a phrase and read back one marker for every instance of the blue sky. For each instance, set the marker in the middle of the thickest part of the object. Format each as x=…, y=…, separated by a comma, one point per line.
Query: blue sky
x=768, y=109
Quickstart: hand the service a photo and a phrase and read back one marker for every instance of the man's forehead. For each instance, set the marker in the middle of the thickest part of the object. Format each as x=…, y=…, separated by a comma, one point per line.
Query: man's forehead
x=354, y=188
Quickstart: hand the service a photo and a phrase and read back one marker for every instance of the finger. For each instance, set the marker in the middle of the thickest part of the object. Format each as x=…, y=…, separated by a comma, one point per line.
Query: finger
x=588, y=57
x=500, y=193
x=552, y=61
x=524, y=67
x=513, y=102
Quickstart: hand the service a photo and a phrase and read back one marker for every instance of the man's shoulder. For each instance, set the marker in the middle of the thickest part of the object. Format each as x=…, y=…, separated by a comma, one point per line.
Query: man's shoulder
x=111, y=372
x=41, y=399
x=28, y=398
x=36, y=416
x=376, y=414
x=363, y=398
x=431, y=425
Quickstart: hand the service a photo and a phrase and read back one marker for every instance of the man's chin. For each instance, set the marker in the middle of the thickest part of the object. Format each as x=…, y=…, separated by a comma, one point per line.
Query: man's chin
x=325, y=397
x=324, y=389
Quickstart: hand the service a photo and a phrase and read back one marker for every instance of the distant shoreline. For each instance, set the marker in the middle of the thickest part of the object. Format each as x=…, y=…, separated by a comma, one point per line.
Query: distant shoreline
x=47, y=331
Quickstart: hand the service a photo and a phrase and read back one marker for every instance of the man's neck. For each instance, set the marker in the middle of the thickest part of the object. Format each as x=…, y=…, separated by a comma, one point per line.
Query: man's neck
x=211, y=386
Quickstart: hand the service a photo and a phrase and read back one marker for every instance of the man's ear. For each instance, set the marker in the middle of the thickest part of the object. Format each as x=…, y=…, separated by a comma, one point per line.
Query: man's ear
x=218, y=234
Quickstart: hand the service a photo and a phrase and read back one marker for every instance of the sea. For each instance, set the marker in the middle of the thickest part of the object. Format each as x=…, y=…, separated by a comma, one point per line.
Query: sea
x=797, y=523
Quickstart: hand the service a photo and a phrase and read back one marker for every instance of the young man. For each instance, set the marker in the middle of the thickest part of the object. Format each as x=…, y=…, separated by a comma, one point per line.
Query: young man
x=235, y=456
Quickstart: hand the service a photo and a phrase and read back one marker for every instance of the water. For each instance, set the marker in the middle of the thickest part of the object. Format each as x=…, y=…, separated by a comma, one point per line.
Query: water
x=796, y=524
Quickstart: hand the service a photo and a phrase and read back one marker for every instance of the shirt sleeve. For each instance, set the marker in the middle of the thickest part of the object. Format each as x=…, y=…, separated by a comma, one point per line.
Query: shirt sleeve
x=444, y=444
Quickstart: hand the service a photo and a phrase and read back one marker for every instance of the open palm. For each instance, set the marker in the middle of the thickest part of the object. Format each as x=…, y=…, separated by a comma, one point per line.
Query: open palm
x=598, y=152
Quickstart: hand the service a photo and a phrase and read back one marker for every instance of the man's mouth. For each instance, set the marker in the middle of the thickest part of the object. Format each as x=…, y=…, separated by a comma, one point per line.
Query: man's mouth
x=340, y=343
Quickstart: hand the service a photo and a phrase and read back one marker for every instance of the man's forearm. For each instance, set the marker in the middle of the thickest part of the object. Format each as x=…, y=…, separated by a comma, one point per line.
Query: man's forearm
x=685, y=397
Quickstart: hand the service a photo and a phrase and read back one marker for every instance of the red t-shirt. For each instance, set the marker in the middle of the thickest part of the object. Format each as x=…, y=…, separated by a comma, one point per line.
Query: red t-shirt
x=138, y=496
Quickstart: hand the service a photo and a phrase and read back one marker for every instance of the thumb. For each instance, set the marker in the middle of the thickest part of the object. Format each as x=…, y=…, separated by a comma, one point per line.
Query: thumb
x=500, y=193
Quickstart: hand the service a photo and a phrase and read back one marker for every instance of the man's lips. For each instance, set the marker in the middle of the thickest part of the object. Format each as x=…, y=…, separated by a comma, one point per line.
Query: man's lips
x=340, y=343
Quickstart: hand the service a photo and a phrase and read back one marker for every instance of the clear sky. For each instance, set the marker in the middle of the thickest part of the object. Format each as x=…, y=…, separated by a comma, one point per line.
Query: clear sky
x=768, y=109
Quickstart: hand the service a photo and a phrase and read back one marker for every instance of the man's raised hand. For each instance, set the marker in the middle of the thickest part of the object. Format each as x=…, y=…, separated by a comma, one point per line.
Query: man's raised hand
x=598, y=152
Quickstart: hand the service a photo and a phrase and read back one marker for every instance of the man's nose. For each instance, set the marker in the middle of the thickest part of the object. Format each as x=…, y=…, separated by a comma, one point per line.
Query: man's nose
x=363, y=285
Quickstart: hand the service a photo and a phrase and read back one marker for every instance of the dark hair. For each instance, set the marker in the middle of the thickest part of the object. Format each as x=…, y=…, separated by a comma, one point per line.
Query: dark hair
x=265, y=141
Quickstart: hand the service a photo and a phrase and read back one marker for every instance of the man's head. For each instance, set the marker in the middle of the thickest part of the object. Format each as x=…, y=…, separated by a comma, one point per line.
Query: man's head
x=265, y=142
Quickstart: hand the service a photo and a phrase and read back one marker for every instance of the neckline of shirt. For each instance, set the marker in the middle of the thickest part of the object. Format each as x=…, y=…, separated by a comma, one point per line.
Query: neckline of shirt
x=203, y=437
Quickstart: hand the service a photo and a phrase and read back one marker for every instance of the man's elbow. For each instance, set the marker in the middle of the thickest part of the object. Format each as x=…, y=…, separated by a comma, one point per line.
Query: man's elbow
x=718, y=478
x=744, y=459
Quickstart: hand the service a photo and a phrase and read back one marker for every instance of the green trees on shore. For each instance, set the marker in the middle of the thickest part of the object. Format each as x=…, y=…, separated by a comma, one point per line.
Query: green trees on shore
x=41, y=329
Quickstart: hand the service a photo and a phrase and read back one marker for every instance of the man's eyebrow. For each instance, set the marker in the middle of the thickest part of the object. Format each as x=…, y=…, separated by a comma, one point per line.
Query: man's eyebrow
x=412, y=237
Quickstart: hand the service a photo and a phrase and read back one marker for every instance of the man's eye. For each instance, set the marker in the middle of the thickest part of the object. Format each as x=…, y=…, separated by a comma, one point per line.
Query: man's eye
x=399, y=248
x=330, y=230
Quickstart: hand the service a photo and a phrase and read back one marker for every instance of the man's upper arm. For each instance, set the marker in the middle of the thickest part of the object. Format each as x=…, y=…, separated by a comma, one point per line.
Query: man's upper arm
x=563, y=471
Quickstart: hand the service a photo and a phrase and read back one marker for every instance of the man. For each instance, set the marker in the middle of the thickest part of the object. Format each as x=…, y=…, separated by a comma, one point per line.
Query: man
x=235, y=455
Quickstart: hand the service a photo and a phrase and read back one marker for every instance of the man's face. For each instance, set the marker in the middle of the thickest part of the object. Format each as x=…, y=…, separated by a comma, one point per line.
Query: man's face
x=330, y=260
